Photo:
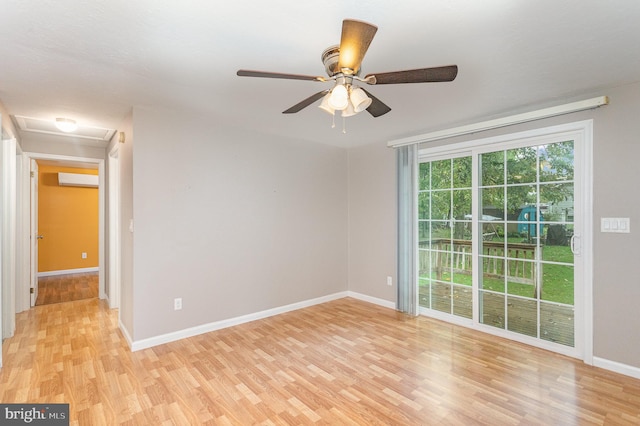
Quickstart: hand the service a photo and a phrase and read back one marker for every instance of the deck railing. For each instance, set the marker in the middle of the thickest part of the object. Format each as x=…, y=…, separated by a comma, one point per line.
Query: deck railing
x=516, y=261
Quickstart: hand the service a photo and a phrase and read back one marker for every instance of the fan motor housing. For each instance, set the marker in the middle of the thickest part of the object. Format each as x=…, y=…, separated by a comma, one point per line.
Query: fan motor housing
x=330, y=58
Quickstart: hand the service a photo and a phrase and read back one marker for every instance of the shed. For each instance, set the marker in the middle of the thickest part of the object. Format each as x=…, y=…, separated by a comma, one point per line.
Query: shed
x=527, y=221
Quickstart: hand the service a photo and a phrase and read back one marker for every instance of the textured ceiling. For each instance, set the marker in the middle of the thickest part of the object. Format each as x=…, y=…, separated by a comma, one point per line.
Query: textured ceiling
x=94, y=60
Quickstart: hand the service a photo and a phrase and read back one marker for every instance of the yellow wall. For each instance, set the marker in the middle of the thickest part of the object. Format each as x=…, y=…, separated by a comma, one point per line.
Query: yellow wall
x=68, y=220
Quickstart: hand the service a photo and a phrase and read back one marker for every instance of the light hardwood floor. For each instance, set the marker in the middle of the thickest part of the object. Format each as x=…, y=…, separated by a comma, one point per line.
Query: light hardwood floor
x=67, y=287
x=343, y=362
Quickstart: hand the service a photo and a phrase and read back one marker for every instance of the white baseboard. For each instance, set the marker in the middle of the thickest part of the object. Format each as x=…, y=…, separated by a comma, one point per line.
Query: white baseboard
x=125, y=333
x=370, y=299
x=617, y=367
x=68, y=271
x=218, y=325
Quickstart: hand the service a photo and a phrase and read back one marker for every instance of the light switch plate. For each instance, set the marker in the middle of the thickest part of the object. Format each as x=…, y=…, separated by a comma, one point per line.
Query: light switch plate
x=615, y=224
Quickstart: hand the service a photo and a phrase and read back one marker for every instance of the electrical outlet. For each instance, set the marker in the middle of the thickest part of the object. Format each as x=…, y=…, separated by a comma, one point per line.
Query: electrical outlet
x=389, y=281
x=84, y=255
x=177, y=303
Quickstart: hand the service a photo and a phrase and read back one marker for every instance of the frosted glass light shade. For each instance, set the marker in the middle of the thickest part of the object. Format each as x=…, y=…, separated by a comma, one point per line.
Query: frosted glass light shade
x=360, y=100
x=324, y=105
x=349, y=110
x=66, y=125
x=339, y=98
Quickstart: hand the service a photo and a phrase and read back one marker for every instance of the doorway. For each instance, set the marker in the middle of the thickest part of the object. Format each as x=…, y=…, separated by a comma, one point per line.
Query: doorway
x=502, y=241
x=30, y=287
x=66, y=206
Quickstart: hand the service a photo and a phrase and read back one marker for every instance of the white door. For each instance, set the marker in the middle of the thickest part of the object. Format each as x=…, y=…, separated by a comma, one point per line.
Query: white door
x=35, y=237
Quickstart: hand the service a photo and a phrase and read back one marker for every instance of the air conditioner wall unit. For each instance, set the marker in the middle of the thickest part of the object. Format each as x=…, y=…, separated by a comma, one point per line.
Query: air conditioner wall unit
x=76, y=179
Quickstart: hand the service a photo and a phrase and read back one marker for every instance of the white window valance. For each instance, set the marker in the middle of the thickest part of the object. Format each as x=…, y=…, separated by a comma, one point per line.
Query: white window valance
x=502, y=122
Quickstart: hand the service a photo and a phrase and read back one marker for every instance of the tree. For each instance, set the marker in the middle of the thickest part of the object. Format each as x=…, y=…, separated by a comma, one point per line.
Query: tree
x=509, y=180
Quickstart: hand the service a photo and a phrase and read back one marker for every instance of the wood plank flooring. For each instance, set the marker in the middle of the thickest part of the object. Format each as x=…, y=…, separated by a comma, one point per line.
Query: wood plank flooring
x=345, y=362
x=67, y=288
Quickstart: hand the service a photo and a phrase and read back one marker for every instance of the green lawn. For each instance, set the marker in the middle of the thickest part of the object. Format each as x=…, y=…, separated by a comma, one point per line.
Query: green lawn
x=557, y=280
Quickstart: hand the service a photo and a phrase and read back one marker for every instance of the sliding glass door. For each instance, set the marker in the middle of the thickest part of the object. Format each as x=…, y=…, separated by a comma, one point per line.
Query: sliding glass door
x=444, y=236
x=527, y=280
x=497, y=241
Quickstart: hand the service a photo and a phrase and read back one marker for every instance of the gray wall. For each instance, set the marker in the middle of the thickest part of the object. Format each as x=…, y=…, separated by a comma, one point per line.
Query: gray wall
x=230, y=221
x=616, y=285
x=616, y=265
x=372, y=221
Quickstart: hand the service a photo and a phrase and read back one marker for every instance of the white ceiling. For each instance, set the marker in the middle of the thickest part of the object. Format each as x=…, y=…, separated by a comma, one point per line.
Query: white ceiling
x=94, y=60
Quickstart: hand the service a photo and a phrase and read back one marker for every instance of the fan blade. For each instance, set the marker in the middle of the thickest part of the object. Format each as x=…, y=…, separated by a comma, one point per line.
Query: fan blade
x=377, y=107
x=356, y=38
x=422, y=75
x=250, y=73
x=301, y=105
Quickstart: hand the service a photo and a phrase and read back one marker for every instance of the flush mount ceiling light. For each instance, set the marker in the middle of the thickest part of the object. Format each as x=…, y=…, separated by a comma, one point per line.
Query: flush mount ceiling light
x=66, y=125
x=342, y=65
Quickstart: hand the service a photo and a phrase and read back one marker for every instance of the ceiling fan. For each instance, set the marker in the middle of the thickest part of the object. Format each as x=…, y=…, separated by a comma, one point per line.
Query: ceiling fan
x=342, y=65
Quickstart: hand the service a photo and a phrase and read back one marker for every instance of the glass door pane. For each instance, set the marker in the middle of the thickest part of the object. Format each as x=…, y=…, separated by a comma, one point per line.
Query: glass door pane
x=526, y=198
x=444, y=235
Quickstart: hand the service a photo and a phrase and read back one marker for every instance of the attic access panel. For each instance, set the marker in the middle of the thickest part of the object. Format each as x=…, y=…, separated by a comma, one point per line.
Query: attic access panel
x=37, y=125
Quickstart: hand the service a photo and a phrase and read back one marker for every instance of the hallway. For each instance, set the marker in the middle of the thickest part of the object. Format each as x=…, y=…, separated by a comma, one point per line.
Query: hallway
x=67, y=288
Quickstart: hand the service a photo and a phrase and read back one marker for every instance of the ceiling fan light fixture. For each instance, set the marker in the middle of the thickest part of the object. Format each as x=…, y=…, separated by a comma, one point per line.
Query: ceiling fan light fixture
x=324, y=105
x=360, y=100
x=339, y=98
x=66, y=125
x=342, y=64
x=349, y=110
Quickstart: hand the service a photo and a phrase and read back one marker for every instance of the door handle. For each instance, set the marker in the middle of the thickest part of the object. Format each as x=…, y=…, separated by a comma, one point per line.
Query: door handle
x=39, y=237
x=575, y=244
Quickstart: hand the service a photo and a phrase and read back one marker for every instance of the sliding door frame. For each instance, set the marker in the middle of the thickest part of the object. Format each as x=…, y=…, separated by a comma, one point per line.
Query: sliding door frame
x=582, y=133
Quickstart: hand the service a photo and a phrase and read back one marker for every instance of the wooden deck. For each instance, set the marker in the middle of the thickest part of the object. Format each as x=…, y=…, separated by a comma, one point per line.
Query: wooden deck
x=514, y=262
x=556, y=321
x=345, y=362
